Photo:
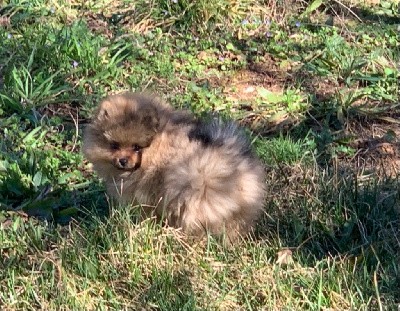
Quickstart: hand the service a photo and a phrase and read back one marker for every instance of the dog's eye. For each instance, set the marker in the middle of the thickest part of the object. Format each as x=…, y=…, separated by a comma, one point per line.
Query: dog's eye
x=114, y=145
x=136, y=148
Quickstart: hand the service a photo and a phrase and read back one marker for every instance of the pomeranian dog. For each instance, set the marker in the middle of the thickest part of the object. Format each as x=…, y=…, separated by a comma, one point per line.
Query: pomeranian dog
x=200, y=176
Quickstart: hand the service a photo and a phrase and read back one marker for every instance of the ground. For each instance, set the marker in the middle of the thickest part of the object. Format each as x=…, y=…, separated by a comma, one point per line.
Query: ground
x=315, y=85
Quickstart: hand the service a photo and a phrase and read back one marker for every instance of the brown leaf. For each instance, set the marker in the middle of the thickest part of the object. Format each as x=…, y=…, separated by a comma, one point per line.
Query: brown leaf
x=284, y=257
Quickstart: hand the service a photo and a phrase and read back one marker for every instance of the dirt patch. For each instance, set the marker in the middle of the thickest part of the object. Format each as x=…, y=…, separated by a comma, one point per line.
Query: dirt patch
x=378, y=148
x=243, y=90
x=98, y=24
x=244, y=85
x=323, y=88
x=376, y=142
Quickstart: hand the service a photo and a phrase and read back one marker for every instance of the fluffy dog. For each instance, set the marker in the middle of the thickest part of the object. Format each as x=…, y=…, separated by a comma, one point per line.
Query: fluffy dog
x=200, y=176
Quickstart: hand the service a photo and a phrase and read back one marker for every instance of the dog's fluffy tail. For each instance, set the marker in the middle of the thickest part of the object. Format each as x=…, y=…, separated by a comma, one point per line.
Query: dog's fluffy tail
x=217, y=133
x=220, y=186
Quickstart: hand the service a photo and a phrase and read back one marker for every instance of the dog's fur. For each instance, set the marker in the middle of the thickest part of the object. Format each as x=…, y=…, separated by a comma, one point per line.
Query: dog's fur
x=200, y=176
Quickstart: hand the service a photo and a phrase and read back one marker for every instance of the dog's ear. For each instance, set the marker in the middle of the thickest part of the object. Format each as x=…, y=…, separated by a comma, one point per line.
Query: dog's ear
x=104, y=110
x=150, y=118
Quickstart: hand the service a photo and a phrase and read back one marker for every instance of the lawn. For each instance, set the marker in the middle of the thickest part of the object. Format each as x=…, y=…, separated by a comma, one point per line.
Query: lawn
x=315, y=84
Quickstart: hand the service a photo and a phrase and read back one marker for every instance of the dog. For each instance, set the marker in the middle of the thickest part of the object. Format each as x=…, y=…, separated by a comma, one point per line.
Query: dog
x=198, y=175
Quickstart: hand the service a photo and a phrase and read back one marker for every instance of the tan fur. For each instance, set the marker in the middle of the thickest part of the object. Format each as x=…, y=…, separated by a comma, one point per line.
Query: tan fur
x=195, y=187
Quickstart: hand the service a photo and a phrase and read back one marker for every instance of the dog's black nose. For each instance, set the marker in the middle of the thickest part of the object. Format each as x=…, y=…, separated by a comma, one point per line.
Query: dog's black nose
x=123, y=162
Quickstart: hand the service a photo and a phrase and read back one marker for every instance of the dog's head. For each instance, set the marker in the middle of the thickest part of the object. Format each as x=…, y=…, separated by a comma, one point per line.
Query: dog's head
x=123, y=127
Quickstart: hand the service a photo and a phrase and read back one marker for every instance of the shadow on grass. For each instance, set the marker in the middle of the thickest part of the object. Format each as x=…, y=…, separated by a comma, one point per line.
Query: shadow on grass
x=336, y=214
x=370, y=15
x=345, y=204
x=59, y=205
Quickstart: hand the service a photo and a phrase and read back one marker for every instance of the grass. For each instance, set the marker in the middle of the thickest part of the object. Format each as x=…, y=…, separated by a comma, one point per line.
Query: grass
x=315, y=84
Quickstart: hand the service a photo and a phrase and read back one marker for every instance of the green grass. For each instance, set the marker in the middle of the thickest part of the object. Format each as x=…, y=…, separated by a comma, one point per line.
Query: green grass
x=314, y=83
